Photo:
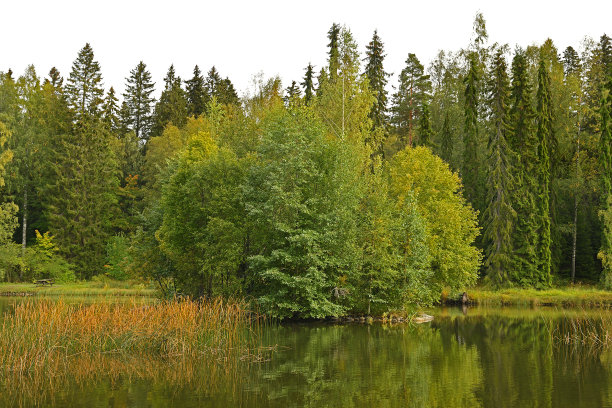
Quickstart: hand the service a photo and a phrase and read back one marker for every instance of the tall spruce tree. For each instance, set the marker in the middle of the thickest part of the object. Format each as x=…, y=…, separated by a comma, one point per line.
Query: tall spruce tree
x=414, y=87
x=470, y=171
x=85, y=181
x=196, y=96
x=425, y=133
x=499, y=216
x=334, y=53
x=446, y=140
x=172, y=104
x=524, y=142
x=605, y=168
x=545, y=132
x=110, y=112
x=308, y=84
x=138, y=97
x=84, y=88
x=292, y=94
x=377, y=79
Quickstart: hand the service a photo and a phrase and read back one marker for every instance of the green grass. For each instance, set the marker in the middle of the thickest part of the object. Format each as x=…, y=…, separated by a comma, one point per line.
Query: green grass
x=94, y=288
x=570, y=296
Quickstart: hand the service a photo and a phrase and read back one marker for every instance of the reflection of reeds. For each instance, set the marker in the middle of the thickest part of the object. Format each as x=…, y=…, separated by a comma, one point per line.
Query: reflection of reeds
x=40, y=333
x=66, y=380
x=588, y=331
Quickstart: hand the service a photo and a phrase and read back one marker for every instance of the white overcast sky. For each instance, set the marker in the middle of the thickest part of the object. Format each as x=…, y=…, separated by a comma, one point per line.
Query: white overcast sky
x=279, y=37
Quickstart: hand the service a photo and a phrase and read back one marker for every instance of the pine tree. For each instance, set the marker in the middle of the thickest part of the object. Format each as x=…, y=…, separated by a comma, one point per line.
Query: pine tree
x=543, y=174
x=499, y=216
x=333, y=54
x=471, y=166
x=414, y=87
x=172, y=104
x=196, y=96
x=308, y=84
x=138, y=90
x=84, y=88
x=524, y=143
x=377, y=78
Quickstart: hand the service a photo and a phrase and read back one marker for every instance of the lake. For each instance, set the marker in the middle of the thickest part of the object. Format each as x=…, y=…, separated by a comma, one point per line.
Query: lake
x=477, y=357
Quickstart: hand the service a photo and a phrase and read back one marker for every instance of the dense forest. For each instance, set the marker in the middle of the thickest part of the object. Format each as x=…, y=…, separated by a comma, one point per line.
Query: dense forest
x=336, y=194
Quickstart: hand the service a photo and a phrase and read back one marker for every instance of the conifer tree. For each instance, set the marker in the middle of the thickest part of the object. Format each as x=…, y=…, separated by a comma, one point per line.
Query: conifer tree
x=471, y=166
x=334, y=53
x=499, y=216
x=110, y=111
x=446, y=140
x=85, y=180
x=414, y=87
x=543, y=173
x=84, y=88
x=377, y=79
x=571, y=61
x=605, y=168
x=55, y=78
x=172, y=104
x=321, y=81
x=226, y=93
x=524, y=143
x=308, y=84
x=292, y=93
x=138, y=97
x=196, y=97
x=425, y=131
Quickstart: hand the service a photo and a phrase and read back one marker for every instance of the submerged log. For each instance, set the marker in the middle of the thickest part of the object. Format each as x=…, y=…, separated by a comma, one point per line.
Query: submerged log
x=422, y=318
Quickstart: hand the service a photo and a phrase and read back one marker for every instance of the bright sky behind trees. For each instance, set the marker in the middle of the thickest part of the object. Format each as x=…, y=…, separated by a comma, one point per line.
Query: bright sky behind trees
x=280, y=37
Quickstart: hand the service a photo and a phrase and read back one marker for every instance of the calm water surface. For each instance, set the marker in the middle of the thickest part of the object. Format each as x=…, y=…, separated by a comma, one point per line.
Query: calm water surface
x=483, y=358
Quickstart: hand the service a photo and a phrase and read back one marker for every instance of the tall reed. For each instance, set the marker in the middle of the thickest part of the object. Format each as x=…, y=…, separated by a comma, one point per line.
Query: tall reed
x=41, y=332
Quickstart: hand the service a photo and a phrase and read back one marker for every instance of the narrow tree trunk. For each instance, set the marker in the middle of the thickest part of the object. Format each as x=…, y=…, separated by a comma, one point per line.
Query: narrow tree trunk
x=575, y=232
x=24, y=228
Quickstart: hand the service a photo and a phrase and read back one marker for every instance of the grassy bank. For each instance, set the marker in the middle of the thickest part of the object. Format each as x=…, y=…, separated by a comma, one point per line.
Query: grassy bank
x=570, y=296
x=81, y=289
x=42, y=332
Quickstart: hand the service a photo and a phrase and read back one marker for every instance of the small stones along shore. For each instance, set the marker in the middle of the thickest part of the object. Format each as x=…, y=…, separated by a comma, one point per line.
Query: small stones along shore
x=420, y=318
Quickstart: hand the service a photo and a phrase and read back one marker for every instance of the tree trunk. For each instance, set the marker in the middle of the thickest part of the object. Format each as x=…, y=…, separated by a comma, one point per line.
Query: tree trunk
x=24, y=228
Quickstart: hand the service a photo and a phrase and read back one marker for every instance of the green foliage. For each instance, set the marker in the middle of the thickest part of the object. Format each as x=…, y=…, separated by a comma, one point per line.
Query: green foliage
x=138, y=99
x=84, y=87
x=450, y=222
x=470, y=171
x=377, y=79
x=412, y=92
x=308, y=84
x=499, y=216
x=203, y=230
x=172, y=105
x=118, y=258
x=301, y=198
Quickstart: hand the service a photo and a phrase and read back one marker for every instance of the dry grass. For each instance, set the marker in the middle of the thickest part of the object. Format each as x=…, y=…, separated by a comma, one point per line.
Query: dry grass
x=592, y=332
x=41, y=333
x=571, y=296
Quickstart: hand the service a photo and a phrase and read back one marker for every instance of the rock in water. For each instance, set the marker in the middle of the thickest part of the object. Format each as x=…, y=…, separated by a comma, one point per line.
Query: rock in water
x=422, y=318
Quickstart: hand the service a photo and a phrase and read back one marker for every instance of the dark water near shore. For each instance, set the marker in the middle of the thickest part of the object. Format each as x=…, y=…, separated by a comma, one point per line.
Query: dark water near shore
x=484, y=358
